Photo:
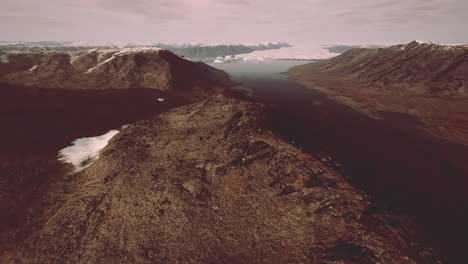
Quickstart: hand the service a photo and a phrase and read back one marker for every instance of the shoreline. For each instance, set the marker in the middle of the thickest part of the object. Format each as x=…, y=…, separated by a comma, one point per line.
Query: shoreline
x=405, y=168
x=437, y=117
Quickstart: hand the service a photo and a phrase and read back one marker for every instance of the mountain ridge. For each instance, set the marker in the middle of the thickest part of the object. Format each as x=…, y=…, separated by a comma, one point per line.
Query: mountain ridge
x=423, y=80
x=107, y=68
x=197, y=51
x=210, y=182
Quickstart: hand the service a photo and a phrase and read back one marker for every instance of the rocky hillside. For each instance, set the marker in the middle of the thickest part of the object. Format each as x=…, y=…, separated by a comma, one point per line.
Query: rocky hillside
x=441, y=69
x=422, y=80
x=106, y=68
x=211, y=183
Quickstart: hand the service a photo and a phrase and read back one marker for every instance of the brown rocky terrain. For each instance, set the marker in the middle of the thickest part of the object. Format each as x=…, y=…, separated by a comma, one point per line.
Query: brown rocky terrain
x=203, y=177
x=106, y=68
x=423, y=80
x=211, y=183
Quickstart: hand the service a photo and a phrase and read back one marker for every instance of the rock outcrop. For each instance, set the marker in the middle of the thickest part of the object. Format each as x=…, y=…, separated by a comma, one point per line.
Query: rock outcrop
x=212, y=183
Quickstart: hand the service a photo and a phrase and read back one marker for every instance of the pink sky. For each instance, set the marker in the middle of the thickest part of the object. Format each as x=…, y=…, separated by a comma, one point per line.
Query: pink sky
x=300, y=22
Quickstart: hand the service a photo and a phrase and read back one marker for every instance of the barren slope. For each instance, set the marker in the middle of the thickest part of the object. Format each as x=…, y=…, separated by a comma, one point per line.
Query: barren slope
x=424, y=80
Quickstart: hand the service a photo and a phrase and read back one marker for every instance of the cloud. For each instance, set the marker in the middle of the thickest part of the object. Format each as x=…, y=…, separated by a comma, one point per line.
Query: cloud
x=235, y=20
x=159, y=10
x=234, y=2
x=397, y=13
x=28, y=19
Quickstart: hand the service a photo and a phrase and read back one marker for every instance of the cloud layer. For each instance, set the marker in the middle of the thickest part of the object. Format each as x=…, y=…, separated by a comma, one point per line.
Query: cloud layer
x=299, y=21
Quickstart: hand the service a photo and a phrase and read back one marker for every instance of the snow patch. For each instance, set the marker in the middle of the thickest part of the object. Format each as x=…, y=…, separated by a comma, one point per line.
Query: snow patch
x=433, y=46
x=84, y=150
x=161, y=99
x=219, y=60
x=288, y=53
x=100, y=64
x=454, y=46
x=4, y=58
x=118, y=53
x=422, y=42
x=33, y=68
x=291, y=53
x=247, y=44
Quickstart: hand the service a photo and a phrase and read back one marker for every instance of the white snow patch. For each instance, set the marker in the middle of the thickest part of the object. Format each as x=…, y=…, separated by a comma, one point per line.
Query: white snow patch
x=33, y=68
x=422, y=42
x=101, y=63
x=119, y=52
x=4, y=58
x=84, y=150
x=434, y=46
x=248, y=44
x=138, y=49
x=289, y=53
x=219, y=60
x=454, y=46
x=161, y=99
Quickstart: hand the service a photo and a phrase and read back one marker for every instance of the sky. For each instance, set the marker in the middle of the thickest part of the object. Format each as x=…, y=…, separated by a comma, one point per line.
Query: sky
x=298, y=22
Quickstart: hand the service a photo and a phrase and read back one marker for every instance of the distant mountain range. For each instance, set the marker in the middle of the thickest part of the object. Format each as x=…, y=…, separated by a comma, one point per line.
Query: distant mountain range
x=204, y=52
x=198, y=51
x=209, y=53
x=441, y=69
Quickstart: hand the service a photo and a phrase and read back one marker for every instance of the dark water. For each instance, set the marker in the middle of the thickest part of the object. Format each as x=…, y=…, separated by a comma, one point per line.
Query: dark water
x=393, y=160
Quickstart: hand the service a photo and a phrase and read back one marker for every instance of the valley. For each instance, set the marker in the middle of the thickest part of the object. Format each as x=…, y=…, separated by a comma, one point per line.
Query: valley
x=224, y=152
x=393, y=158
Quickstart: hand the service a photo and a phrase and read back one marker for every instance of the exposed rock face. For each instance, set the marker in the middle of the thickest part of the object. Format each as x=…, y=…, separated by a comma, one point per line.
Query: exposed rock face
x=108, y=68
x=423, y=80
x=210, y=183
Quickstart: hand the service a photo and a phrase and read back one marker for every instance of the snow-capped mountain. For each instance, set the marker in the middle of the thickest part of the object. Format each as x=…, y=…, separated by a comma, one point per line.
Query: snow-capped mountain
x=193, y=51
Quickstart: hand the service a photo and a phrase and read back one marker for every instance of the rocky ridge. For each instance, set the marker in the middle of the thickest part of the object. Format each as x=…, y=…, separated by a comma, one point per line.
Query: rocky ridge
x=107, y=68
x=211, y=183
x=439, y=69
